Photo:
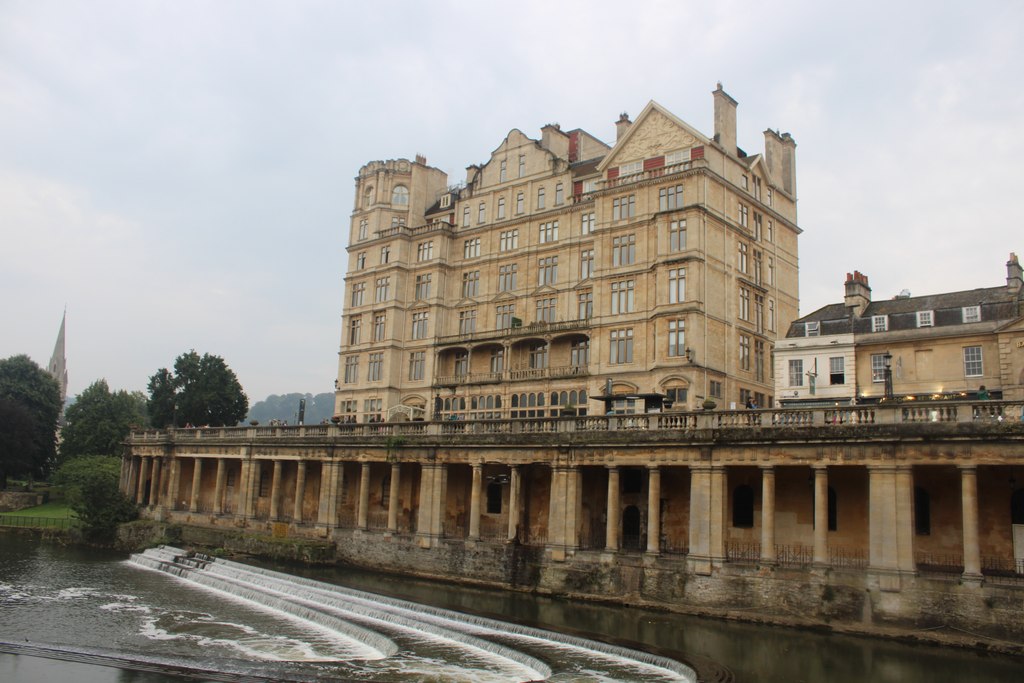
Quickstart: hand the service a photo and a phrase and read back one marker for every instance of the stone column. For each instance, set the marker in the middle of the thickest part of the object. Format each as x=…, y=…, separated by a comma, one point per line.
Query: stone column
x=154, y=486
x=514, y=492
x=474, y=502
x=768, y=555
x=563, y=533
x=327, y=514
x=396, y=474
x=653, y=509
x=218, y=489
x=129, y=479
x=969, y=501
x=719, y=516
x=140, y=493
x=904, y=526
x=363, y=511
x=174, y=485
x=300, y=492
x=699, y=557
x=430, y=515
x=820, y=515
x=244, y=499
x=614, y=511
x=197, y=479
x=275, y=493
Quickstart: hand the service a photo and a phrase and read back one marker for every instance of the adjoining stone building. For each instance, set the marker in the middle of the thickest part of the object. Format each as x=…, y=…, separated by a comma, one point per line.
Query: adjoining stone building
x=937, y=347
x=661, y=266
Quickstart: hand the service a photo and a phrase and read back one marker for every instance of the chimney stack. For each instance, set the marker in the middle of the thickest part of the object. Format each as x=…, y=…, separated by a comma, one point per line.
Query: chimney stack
x=858, y=293
x=780, y=156
x=725, y=120
x=1014, y=274
x=622, y=125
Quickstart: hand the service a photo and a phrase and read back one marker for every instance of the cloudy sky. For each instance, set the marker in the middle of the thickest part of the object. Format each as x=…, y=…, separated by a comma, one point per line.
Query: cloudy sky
x=179, y=175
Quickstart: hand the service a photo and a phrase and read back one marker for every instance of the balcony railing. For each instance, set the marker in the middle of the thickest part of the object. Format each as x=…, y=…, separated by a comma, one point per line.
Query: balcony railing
x=531, y=330
x=644, y=175
x=516, y=375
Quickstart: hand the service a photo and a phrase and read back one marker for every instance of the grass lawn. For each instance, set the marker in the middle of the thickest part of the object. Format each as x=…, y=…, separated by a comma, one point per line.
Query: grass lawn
x=52, y=510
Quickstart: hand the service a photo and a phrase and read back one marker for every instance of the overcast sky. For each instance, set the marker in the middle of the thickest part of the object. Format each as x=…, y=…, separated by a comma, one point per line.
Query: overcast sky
x=180, y=174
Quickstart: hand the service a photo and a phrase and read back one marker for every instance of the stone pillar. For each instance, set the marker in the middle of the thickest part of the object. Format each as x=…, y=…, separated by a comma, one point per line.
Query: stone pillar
x=154, y=477
x=218, y=489
x=563, y=533
x=474, y=502
x=327, y=514
x=719, y=516
x=904, y=526
x=129, y=479
x=768, y=555
x=707, y=518
x=430, y=517
x=969, y=501
x=197, y=479
x=514, y=493
x=300, y=492
x=890, y=524
x=820, y=515
x=140, y=493
x=653, y=509
x=396, y=478
x=275, y=493
x=245, y=504
x=614, y=511
x=174, y=485
x=363, y=511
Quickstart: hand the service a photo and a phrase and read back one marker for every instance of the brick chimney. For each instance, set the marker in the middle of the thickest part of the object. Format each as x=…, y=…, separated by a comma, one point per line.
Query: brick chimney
x=725, y=120
x=622, y=125
x=780, y=156
x=1014, y=274
x=858, y=293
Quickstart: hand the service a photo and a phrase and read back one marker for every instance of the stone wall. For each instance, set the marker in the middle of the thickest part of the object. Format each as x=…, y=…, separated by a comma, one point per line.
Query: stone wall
x=19, y=500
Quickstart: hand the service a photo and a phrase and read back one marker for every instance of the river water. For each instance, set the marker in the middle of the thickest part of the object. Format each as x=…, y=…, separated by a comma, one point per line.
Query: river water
x=97, y=608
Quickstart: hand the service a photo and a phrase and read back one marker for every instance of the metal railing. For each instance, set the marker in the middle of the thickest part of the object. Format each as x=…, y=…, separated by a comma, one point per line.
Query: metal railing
x=25, y=522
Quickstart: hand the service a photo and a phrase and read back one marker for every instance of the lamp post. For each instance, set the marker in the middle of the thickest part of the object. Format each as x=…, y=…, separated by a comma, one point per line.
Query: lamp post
x=887, y=360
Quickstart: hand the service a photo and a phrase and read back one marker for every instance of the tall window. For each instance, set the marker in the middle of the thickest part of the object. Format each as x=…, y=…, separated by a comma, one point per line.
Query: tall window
x=621, y=346
x=364, y=228
x=714, y=388
x=676, y=338
x=351, y=369
x=470, y=284
x=385, y=254
x=559, y=194
x=381, y=289
x=400, y=195
x=375, y=367
x=379, y=323
x=467, y=321
x=743, y=215
x=465, y=216
x=586, y=305
x=520, y=201
x=547, y=271
x=796, y=372
x=579, y=353
x=624, y=250
x=481, y=213
x=548, y=232
x=744, y=352
x=546, y=310
x=586, y=223
x=741, y=257
x=417, y=361
x=744, y=312
x=770, y=232
x=624, y=207
x=757, y=266
x=670, y=198
x=677, y=235
x=507, y=277
x=538, y=357
x=771, y=271
x=461, y=363
x=586, y=264
x=758, y=226
x=540, y=198
x=522, y=165
x=878, y=368
x=497, y=360
x=419, y=324
x=837, y=370
x=676, y=285
x=503, y=171
x=501, y=208
x=973, y=362
x=471, y=248
x=354, y=326
x=503, y=316
x=771, y=315
x=759, y=364
x=508, y=240
x=358, y=290
x=622, y=296
x=759, y=312
x=361, y=260
x=422, y=286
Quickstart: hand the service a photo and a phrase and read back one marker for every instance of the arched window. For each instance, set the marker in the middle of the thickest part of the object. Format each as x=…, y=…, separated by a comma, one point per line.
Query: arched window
x=368, y=196
x=922, y=512
x=743, y=507
x=1017, y=507
x=494, y=498
x=400, y=195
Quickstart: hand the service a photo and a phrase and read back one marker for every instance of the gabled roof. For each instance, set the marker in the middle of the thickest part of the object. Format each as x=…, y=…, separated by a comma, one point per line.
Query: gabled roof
x=655, y=131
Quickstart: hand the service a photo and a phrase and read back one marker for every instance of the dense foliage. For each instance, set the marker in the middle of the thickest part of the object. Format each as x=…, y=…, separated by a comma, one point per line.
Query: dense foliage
x=286, y=407
x=91, y=485
x=30, y=400
x=202, y=390
x=99, y=421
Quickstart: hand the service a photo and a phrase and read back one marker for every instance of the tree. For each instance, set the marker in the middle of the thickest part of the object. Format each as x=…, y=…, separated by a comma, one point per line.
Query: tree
x=30, y=437
x=98, y=421
x=91, y=486
x=200, y=391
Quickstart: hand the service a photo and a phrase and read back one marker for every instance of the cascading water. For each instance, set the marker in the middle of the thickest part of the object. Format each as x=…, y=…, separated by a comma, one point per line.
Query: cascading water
x=380, y=638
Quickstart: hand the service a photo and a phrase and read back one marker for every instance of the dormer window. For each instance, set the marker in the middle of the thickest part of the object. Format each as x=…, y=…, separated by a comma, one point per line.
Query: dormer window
x=446, y=201
x=631, y=168
x=971, y=314
x=925, y=319
x=879, y=323
x=678, y=157
x=812, y=328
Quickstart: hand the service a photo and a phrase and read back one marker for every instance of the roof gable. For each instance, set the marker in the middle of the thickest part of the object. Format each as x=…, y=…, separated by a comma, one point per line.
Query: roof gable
x=655, y=132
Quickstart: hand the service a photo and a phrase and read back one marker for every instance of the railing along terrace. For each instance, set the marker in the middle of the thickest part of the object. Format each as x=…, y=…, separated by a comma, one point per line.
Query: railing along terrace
x=764, y=421
x=644, y=175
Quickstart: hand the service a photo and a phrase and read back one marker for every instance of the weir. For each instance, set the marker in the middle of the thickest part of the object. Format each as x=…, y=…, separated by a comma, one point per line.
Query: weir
x=382, y=629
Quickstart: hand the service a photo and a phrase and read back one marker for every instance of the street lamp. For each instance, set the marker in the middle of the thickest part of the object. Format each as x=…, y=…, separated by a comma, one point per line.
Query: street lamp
x=887, y=360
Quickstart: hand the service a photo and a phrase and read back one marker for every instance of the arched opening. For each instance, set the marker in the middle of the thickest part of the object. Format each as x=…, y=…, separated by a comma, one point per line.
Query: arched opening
x=400, y=195
x=922, y=512
x=743, y=507
x=631, y=528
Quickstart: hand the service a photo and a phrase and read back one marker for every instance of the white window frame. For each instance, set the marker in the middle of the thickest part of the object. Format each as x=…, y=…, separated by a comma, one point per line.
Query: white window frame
x=925, y=318
x=971, y=314
x=812, y=328
x=974, y=361
x=879, y=323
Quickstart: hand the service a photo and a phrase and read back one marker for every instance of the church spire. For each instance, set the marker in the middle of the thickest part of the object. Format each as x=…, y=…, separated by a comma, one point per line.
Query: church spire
x=58, y=363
